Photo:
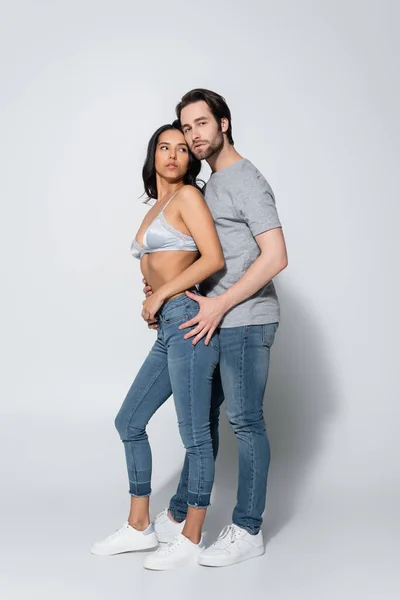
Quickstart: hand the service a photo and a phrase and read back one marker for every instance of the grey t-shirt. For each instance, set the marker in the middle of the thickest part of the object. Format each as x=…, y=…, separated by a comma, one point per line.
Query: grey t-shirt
x=243, y=206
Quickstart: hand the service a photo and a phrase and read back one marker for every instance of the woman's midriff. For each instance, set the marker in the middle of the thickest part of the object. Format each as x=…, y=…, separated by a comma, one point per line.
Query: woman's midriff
x=160, y=267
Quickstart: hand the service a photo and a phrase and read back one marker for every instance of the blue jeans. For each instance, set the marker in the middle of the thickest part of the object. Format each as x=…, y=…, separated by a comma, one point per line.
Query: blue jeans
x=174, y=366
x=241, y=379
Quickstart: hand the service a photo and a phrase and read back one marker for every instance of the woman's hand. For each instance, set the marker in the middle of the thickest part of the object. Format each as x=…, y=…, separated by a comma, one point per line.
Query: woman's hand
x=150, y=307
x=147, y=290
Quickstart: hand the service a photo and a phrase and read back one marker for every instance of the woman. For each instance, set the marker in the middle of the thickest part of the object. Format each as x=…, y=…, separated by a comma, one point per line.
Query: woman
x=178, y=247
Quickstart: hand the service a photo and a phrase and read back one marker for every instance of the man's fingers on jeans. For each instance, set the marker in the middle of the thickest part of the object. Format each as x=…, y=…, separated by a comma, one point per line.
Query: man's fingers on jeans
x=190, y=323
x=209, y=335
x=201, y=335
x=194, y=331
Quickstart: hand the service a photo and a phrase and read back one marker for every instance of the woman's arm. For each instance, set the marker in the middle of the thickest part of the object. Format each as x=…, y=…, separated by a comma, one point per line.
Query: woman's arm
x=197, y=218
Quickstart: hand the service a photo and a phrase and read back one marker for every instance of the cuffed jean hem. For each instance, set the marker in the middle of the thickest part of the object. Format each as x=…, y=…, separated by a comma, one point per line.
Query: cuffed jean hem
x=141, y=490
x=198, y=505
x=250, y=530
x=139, y=495
x=198, y=500
x=180, y=515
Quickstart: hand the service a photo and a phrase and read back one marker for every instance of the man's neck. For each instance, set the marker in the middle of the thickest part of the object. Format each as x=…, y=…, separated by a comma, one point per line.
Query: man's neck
x=225, y=158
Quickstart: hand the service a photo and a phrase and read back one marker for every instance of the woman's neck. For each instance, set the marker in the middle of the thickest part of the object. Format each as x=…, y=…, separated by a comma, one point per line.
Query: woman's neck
x=166, y=188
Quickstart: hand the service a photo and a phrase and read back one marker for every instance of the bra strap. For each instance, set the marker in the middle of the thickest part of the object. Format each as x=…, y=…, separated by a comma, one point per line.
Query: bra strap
x=173, y=196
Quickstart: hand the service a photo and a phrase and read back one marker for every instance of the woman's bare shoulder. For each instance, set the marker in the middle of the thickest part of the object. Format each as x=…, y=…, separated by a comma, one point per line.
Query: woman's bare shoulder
x=189, y=193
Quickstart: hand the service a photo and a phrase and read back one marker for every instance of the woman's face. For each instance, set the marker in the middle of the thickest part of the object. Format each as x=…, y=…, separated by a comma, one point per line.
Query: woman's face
x=172, y=155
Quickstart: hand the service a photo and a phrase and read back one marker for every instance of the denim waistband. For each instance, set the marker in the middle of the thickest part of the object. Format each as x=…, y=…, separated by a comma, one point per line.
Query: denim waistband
x=180, y=300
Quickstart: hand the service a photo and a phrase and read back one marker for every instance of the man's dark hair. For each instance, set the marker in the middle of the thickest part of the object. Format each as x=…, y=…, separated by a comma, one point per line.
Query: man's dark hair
x=215, y=102
x=149, y=167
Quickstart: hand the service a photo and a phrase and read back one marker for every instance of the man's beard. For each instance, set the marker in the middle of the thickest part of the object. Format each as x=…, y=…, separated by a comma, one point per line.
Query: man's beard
x=209, y=148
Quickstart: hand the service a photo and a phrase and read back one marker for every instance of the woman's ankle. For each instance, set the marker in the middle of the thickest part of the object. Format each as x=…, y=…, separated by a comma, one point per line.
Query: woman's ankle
x=193, y=536
x=139, y=524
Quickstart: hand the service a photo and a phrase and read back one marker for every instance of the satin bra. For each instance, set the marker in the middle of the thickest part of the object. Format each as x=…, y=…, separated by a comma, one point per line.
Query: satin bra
x=160, y=236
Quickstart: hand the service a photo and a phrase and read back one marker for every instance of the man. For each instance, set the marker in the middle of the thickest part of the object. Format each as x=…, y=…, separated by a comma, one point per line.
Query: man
x=240, y=300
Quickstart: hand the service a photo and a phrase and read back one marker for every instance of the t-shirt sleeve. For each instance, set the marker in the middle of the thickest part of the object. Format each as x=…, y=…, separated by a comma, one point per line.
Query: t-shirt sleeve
x=256, y=205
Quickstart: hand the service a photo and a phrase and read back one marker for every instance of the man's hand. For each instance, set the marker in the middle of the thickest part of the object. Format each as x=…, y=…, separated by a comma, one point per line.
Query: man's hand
x=147, y=290
x=207, y=319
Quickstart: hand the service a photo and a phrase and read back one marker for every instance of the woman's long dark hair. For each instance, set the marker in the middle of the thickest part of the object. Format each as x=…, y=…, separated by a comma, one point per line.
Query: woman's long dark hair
x=149, y=167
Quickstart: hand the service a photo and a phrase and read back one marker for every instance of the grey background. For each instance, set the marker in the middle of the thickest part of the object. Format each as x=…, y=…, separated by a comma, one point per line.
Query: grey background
x=314, y=92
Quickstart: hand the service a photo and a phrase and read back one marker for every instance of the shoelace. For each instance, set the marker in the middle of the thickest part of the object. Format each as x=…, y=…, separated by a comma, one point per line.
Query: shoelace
x=171, y=546
x=229, y=534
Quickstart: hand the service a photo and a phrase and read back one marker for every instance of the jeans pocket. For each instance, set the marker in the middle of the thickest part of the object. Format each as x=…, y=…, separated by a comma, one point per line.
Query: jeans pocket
x=175, y=318
x=192, y=312
x=268, y=334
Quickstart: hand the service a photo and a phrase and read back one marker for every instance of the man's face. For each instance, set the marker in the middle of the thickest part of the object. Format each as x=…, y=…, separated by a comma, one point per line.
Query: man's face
x=201, y=131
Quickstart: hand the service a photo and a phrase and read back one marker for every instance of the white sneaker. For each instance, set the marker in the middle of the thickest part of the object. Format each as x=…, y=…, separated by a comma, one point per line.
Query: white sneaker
x=180, y=552
x=126, y=539
x=166, y=530
x=233, y=545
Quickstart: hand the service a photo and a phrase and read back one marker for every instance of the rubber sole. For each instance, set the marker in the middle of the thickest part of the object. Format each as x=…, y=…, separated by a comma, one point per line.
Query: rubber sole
x=152, y=543
x=227, y=561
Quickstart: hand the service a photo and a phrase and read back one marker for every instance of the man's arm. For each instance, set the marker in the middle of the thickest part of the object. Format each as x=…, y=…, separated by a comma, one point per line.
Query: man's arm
x=255, y=204
x=271, y=261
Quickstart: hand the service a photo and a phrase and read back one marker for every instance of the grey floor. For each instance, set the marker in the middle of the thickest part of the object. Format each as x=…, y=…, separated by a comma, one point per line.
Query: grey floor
x=319, y=544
